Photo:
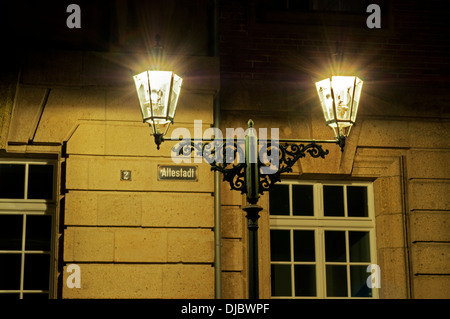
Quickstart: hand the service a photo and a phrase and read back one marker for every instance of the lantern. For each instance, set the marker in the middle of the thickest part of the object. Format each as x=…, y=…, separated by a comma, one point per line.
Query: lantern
x=339, y=97
x=158, y=93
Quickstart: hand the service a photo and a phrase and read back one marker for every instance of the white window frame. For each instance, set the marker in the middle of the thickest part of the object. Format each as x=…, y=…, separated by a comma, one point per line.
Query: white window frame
x=27, y=207
x=320, y=223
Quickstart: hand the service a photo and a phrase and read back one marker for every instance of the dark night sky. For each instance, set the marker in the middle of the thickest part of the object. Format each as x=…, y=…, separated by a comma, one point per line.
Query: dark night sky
x=42, y=24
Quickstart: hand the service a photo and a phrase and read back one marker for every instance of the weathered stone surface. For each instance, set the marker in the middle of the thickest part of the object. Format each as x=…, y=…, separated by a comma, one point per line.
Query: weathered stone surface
x=26, y=114
x=429, y=164
x=232, y=222
x=429, y=195
x=429, y=226
x=149, y=209
x=88, y=244
x=232, y=255
x=389, y=229
x=383, y=132
x=394, y=276
x=83, y=173
x=431, y=287
x=233, y=285
x=142, y=281
x=142, y=245
x=430, y=258
x=190, y=245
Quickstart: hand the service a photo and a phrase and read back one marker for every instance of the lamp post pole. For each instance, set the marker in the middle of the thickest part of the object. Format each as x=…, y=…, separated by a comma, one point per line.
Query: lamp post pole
x=252, y=211
x=248, y=178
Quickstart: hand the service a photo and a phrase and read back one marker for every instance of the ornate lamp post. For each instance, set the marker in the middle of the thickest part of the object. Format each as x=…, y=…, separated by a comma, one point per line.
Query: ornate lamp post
x=339, y=97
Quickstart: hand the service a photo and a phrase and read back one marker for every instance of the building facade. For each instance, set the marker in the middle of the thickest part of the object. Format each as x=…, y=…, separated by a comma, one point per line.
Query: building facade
x=84, y=212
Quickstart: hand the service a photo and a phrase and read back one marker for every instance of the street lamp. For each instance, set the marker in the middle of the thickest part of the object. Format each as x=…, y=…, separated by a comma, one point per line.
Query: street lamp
x=339, y=97
x=158, y=93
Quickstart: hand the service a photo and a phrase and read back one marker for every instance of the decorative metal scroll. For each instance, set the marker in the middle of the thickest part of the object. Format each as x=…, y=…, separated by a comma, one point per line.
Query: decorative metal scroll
x=229, y=159
x=289, y=154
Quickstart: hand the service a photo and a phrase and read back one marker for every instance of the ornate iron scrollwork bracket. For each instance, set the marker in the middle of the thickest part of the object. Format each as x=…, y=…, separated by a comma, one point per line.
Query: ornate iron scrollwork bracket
x=289, y=154
x=229, y=159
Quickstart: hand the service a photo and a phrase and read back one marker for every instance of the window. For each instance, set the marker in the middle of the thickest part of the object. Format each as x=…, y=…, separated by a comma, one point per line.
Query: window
x=27, y=212
x=322, y=239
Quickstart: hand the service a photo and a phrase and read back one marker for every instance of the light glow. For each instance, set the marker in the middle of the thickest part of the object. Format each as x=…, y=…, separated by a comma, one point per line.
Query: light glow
x=158, y=93
x=339, y=97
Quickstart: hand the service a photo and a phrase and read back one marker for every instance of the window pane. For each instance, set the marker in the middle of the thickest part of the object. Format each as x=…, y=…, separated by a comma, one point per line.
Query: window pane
x=333, y=200
x=4, y=296
x=305, y=280
x=279, y=200
x=357, y=201
x=335, y=246
x=12, y=180
x=280, y=247
x=336, y=281
x=358, y=277
x=10, y=271
x=35, y=296
x=281, y=280
x=359, y=246
x=302, y=200
x=304, y=249
x=37, y=271
x=38, y=232
x=11, y=232
x=40, y=182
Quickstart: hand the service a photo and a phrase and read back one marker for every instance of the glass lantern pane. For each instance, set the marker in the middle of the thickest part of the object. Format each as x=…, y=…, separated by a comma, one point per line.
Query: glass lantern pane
x=154, y=85
x=343, y=93
x=358, y=88
x=141, y=82
x=176, y=87
x=160, y=90
x=326, y=101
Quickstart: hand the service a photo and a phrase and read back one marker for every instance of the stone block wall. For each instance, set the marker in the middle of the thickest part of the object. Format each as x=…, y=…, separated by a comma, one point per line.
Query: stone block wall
x=137, y=238
x=401, y=138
